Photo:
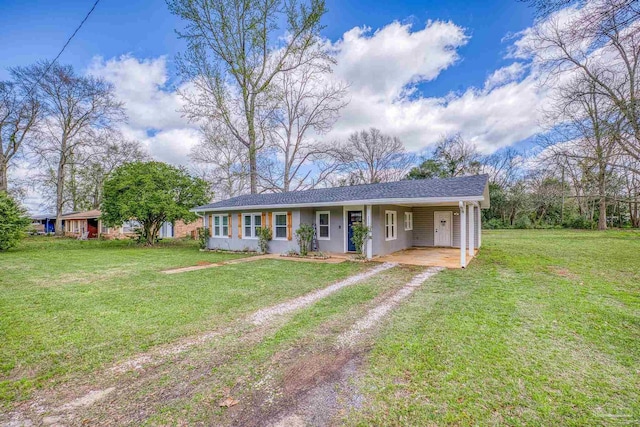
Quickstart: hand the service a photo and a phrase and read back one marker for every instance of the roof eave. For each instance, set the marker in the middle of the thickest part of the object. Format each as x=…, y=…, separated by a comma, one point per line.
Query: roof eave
x=395, y=201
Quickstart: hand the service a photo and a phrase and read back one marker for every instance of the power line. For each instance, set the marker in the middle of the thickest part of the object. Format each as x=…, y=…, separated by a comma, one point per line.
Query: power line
x=62, y=50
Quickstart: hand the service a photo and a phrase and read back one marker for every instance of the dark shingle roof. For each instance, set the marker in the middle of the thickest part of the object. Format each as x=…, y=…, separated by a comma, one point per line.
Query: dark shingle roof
x=467, y=186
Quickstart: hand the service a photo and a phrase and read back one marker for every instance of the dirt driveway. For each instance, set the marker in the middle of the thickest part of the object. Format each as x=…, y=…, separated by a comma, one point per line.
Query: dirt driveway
x=292, y=364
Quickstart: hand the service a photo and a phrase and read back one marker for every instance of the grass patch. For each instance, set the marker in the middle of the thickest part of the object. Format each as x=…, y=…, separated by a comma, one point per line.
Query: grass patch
x=254, y=375
x=543, y=328
x=68, y=307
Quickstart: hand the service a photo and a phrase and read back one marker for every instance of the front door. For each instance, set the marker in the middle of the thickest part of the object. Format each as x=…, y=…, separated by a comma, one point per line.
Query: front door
x=92, y=228
x=442, y=227
x=352, y=218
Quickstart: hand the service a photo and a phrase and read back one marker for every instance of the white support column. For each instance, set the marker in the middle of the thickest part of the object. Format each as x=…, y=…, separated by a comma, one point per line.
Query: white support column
x=368, y=219
x=463, y=234
x=472, y=232
x=479, y=227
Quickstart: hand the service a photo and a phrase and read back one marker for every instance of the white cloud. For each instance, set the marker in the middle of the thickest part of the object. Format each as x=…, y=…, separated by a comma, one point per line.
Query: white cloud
x=384, y=63
x=153, y=107
x=142, y=85
x=383, y=69
x=505, y=75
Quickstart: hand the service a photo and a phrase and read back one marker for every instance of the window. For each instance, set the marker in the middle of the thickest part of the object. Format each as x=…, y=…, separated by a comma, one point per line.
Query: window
x=280, y=226
x=104, y=229
x=252, y=225
x=408, y=221
x=221, y=225
x=323, y=222
x=130, y=226
x=390, y=225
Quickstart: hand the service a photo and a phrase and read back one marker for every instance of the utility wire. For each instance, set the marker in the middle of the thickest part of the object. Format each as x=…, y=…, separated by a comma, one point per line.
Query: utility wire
x=62, y=50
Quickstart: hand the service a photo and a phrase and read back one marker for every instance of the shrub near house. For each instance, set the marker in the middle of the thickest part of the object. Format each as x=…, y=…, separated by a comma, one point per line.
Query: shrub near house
x=13, y=222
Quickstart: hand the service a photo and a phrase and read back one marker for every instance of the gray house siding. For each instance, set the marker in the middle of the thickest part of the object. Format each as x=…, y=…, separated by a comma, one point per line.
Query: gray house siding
x=404, y=238
x=234, y=243
x=336, y=229
x=421, y=235
x=423, y=222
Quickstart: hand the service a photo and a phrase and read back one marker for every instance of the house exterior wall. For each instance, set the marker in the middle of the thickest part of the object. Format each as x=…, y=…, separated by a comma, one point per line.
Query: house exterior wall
x=404, y=238
x=421, y=235
x=240, y=243
x=423, y=224
x=180, y=229
x=336, y=229
x=74, y=227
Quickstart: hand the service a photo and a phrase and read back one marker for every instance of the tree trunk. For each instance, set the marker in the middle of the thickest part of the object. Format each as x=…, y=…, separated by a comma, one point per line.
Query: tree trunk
x=4, y=183
x=253, y=169
x=633, y=213
x=60, y=197
x=602, y=217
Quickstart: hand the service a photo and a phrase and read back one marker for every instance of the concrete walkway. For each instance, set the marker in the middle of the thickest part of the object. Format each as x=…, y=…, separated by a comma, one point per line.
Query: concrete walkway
x=216, y=264
x=332, y=260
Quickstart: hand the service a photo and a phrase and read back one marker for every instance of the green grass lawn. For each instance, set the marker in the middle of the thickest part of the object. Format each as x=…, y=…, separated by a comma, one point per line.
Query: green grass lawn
x=543, y=328
x=68, y=307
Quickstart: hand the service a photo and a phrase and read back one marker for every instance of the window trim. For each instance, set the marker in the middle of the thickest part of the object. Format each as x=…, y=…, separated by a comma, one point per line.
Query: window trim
x=215, y=228
x=286, y=225
x=393, y=225
x=318, y=213
x=409, y=216
x=252, y=226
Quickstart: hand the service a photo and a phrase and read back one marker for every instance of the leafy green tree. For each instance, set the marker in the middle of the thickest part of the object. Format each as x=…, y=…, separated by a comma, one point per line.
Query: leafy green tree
x=13, y=222
x=430, y=168
x=151, y=193
x=453, y=156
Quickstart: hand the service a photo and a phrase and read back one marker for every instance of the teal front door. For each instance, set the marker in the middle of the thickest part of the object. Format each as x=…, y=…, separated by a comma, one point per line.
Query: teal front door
x=352, y=218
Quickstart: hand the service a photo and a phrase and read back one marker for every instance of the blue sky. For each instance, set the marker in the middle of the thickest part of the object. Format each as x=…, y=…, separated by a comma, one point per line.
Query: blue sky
x=32, y=30
x=416, y=69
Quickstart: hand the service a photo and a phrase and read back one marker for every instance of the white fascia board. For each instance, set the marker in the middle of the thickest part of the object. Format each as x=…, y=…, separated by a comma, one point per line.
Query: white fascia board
x=400, y=201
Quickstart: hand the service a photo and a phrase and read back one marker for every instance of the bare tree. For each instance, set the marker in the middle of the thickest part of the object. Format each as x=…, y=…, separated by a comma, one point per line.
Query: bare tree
x=600, y=42
x=589, y=133
x=453, y=156
x=109, y=151
x=305, y=103
x=75, y=107
x=547, y=7
x=232, y=60
x=631, y=186
x=19, y=113
x=503, y=167
x=221, y=160
x=88, y=167
x=370, y=156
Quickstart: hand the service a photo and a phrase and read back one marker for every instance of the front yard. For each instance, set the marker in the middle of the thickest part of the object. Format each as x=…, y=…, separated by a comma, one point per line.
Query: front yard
x=543, y=328
x=68, y=307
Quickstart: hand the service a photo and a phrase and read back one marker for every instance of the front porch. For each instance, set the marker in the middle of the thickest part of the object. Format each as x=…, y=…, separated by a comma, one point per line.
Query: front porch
x=427, y=257
x=424, y=234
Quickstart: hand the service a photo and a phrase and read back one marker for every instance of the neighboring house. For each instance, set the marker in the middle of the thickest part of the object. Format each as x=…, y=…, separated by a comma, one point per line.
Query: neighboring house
x=77, y=223
x=403, y=214
x=44, y=224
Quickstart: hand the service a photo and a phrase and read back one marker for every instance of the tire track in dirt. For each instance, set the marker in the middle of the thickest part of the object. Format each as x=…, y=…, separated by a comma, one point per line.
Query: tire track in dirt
x=120, y=385
x=266, y=314
x=335, y=371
